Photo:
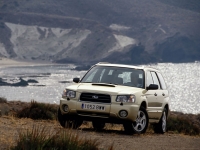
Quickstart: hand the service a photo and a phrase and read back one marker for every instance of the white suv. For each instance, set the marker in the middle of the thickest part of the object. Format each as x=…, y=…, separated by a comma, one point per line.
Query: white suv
x=113, y=93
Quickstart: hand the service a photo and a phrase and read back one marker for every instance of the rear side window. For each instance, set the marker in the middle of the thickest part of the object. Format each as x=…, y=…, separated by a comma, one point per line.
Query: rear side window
x=155, y=79
x=162, y=81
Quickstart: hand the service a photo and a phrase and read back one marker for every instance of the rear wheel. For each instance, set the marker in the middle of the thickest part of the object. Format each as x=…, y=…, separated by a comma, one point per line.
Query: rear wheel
x=161, y=126
x=140, y=124
x=98, y=125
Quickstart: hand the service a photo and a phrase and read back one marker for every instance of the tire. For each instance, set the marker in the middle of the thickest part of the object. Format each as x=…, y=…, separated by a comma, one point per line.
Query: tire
x=61, y=118
x=161, y=126
x=98, y=125
x=76, y=123
x=68, y=123
x=140, y=124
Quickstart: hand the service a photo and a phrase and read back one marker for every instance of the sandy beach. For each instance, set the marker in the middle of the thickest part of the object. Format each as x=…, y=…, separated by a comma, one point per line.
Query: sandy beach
x=6, y=62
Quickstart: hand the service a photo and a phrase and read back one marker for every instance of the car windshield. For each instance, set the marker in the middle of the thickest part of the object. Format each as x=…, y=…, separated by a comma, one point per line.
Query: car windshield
x=115, y=75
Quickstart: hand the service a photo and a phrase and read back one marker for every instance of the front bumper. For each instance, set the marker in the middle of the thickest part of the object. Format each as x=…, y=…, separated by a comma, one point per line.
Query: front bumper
x=110, y=114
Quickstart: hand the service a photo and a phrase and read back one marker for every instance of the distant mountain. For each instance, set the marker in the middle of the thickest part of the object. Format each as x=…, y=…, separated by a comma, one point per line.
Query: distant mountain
x=192, y=5
x=88, y=31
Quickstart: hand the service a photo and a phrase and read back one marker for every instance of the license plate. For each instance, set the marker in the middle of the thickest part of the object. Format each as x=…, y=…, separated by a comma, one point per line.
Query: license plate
x=93, y=107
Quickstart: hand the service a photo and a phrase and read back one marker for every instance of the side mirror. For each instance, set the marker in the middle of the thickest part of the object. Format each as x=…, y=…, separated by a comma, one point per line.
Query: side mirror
x=152, y=87
x=76, y=80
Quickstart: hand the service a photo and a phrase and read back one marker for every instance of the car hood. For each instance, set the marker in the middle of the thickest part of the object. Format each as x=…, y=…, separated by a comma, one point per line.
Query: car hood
x=104, y=88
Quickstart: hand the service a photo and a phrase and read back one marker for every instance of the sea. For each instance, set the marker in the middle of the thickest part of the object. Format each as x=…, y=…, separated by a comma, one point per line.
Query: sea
x=182, y=79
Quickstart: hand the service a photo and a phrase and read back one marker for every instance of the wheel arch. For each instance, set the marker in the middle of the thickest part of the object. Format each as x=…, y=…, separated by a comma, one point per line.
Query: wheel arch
x=167, y=108
x=144, y=104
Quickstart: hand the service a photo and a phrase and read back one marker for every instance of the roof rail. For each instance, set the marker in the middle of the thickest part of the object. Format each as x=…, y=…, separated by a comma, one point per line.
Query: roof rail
x=103, y=63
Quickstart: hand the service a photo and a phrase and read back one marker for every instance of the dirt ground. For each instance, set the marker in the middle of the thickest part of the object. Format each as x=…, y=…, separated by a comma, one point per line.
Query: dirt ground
x=11, y=126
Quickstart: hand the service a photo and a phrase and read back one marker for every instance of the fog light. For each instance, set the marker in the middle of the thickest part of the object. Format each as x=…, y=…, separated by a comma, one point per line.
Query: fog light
x=65, y=108
x=123, y=113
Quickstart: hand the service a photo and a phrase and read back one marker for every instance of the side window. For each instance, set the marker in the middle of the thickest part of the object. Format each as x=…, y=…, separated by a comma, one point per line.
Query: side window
x=162, y=81
x=155, y=79
x=149, y=79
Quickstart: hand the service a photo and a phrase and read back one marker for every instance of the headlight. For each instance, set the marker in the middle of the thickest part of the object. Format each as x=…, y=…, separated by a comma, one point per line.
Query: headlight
x=69, y=93
x=126, y=98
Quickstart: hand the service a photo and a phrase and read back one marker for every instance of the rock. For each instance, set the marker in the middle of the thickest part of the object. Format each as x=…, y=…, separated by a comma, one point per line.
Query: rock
x=32, y=81
x=82, y=67
x=22, y=82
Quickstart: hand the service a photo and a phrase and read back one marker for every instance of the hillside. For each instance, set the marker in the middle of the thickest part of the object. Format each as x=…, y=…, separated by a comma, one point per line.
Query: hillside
x=128, y=31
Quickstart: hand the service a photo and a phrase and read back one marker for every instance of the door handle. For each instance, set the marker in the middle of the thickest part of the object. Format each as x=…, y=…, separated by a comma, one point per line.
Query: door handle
x=155, y=94
x=163, y=94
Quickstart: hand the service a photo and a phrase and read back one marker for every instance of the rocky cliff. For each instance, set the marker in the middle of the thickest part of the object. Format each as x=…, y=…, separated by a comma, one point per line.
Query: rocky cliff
x=76, y=31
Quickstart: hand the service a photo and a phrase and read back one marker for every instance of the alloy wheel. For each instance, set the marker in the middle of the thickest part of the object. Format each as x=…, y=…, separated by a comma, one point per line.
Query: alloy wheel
x=140, y=122
x=164, y=122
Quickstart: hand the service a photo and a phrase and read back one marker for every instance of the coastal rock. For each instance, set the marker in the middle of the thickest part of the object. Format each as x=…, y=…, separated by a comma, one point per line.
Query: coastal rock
x=21, y=82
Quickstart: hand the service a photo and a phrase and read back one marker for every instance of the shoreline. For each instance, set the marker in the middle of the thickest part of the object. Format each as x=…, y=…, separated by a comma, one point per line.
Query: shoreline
x=6, y=62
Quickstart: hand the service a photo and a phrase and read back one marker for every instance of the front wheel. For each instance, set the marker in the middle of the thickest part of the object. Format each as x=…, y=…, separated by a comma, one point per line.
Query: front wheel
x=161, y=126
x=66, y=122
x=61, y=118
x=140, y=124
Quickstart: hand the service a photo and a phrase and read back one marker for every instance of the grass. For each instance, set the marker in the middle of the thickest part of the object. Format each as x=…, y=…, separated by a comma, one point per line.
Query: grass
x=179, y=123
x=184, y=123
x=41, y=139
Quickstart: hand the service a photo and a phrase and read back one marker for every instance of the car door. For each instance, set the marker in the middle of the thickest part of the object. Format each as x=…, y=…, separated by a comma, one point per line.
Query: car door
x=165, y=94
x=154, y=97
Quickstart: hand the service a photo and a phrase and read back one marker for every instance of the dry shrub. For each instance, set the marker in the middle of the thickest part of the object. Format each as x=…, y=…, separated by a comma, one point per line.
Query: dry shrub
x=41, y=139
x=3, y=100
x=116, y=127
x=184, y=123
x=38, y=111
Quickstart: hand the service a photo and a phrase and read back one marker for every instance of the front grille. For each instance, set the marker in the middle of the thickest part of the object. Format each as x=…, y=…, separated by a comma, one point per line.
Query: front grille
x=92, y=97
